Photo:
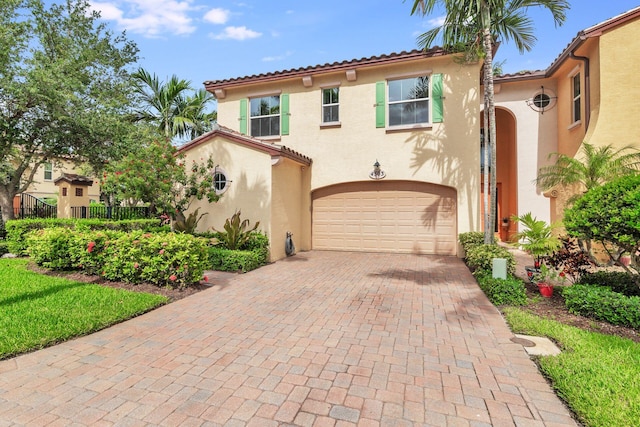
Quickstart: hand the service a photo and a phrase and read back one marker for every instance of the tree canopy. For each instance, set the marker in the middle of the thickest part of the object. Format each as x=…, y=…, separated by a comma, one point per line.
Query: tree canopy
x=64, y=89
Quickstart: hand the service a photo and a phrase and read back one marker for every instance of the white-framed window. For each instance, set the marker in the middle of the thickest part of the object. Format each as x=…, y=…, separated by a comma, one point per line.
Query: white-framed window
x=331, y=105
x=265, y=116
x=576, y=92
x=48, y=171
x=220, y=180
x=408, y=101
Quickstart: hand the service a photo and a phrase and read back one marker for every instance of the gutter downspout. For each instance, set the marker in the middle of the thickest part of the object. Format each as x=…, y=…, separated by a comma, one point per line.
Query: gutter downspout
x=587, y=89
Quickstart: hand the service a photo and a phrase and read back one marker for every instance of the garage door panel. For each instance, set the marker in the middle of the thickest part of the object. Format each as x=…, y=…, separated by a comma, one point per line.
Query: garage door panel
x=391, y=216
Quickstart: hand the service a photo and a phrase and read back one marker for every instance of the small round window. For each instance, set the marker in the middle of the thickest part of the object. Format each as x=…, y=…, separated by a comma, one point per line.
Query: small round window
x=220, y=181
x=542, y=100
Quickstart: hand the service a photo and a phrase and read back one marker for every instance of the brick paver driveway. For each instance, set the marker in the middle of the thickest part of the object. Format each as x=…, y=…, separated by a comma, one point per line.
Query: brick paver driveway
x=320, y=339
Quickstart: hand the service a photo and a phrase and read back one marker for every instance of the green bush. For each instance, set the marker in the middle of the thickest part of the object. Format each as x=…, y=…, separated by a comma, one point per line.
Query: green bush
x=602, y=303
x=617, y=281
x=510, y=291
x=471, y=238
x=481, y=257
x=235, y=260
x=3, y=248
x=18, y=229
x=257, y=240
x=171, y=259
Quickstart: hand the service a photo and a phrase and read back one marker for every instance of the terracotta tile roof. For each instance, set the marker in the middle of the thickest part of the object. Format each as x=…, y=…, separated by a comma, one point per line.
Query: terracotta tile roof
x=248, y=141
x=325, y=68
x=520, y=75
x=73, y=178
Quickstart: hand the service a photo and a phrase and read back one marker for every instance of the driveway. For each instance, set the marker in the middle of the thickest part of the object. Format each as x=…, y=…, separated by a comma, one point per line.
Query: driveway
x=319, y=339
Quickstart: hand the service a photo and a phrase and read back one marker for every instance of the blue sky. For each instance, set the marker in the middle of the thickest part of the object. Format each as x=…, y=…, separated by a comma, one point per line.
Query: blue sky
x=202, y=40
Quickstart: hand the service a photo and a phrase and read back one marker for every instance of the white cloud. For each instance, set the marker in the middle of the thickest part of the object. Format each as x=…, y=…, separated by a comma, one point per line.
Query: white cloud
x=217, y=16
x=236, y=33
x=438, y=21
x=152, y=18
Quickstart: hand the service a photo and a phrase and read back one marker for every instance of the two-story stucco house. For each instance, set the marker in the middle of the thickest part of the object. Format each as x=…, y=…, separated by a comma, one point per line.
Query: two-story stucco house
x=373, y=154
x=383, y=153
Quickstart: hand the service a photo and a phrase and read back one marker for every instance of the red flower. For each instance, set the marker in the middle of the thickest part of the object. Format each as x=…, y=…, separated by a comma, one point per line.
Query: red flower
x=205, y=278
x=173, y=277
x=161, y=251
x=90, y=246
x=561, y=274
x=136, y=265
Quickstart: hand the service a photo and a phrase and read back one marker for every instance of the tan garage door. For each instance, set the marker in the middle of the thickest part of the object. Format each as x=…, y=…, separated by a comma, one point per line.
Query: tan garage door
x=385, y=216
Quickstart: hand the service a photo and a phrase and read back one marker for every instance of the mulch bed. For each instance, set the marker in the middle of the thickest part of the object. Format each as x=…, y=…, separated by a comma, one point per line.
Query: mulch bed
x=554, y=308
x=173, y=294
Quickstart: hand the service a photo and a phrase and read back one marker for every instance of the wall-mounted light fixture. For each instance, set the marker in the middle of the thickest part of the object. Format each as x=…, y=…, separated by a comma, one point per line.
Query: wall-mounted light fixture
x=377, y=173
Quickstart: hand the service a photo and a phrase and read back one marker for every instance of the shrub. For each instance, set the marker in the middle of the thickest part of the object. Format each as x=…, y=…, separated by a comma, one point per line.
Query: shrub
x=481, y=258
x=18, y=229
x=3, y=248
x=235, y=260
x=617, y=281
x=236, y=232
x=176, y=260
x=602, y=303
x=510, y=291
x=471, y=238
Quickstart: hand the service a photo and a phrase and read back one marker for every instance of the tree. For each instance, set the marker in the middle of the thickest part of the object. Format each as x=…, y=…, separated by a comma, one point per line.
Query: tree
x=472, y=28
x=156, y=176
x=64, y=89
x=594, y=167
x=609, y=214
x=170, y=108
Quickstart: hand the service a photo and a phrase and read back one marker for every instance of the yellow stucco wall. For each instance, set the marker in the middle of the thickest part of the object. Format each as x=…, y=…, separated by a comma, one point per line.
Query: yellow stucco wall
x=447, y=153
x=43, y=188
x=250, y=189
x=289, y=209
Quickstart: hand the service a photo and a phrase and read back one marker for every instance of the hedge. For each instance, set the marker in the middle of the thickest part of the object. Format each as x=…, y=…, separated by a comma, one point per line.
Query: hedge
x=480, y=257
x=17, y=229
x=510, y=291
x=602, y=303
x=618, y=281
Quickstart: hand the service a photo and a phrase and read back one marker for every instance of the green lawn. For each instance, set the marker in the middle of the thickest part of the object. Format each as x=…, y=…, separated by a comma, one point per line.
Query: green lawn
x=598, y=375
x=38, y=310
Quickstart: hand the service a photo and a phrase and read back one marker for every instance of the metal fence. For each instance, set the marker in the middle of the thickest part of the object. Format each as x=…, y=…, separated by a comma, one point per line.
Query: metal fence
x=32, y=207
x=111, y=212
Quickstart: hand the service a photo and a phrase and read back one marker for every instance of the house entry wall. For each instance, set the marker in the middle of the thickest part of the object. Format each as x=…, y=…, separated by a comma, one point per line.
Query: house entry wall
x=385, y=216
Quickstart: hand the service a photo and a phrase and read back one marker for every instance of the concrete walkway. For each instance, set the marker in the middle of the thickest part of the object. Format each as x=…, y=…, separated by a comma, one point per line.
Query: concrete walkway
x=320, y=339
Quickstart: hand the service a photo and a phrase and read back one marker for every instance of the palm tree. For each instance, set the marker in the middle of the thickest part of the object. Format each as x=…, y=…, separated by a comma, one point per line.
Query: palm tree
x=472, y=28
x=595, y=166
x=170, y=107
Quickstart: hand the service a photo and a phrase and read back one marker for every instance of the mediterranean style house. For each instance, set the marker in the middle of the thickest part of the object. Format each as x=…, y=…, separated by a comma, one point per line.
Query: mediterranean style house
x=44, y=187
x=383, y=153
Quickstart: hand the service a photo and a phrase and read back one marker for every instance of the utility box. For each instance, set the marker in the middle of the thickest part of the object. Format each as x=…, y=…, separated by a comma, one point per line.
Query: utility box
x=499, y=270
x=73, y=195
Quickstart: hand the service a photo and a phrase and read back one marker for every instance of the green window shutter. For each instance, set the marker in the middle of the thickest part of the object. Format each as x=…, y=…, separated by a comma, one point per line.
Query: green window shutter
x=381, y=87
x=243, y=116
x=436, y=93
x=284, y=114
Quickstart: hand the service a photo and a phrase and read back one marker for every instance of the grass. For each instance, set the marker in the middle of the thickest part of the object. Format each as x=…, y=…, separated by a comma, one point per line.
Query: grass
x=38, y=310
x=598, y=375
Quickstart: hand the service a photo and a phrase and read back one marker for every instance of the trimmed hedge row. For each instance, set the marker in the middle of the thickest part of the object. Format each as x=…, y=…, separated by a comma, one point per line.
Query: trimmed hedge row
x=18, y=229
x=238, y=260
x=510, y=291
x=172, y=259
x=602, y=303
x=618, y=281
x=480, y=257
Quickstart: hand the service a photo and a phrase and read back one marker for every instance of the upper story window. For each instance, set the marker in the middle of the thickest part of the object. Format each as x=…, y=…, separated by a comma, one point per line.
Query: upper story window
x=576, y=95
x=48, y=171
x=265, y=116
x=330, y=105
x=408, y=101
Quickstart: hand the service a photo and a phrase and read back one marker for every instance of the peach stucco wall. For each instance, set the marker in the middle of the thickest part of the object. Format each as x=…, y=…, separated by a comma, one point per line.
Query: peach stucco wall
x=446, y=153
x=43, y=188
x=250, y=189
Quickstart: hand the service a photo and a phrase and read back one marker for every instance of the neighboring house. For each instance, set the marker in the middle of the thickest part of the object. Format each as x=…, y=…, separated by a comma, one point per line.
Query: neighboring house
x=588, y=94
x=43, y=185
x=299, y=150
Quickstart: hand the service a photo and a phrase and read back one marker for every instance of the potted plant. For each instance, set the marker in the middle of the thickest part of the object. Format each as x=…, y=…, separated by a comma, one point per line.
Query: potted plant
x=546, y=278
x=537, y=239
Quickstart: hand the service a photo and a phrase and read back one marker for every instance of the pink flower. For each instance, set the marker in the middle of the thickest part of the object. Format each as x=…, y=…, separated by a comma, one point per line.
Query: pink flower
x=90, y=246
x=136, y=265
x=161, y=251
x=173, y=277
x=205, y=278
x=164, y=243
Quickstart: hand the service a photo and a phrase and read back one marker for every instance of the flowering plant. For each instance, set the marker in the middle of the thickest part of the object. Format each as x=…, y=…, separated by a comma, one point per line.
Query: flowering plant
x=549, y=276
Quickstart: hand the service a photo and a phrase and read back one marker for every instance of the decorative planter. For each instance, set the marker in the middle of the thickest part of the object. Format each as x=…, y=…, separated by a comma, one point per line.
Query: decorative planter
x=546, y=290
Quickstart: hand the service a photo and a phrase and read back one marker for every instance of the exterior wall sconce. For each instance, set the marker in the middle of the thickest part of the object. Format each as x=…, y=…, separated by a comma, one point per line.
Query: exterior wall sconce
x=377, y=173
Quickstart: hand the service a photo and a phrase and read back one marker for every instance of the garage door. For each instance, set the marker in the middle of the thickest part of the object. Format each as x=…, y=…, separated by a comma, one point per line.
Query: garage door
x=385, y=216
